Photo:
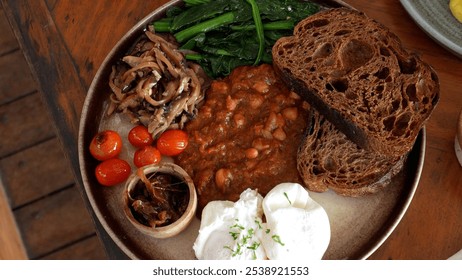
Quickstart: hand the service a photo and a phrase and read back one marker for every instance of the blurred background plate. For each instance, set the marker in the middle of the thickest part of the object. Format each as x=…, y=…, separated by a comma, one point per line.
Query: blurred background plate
x=435, y=18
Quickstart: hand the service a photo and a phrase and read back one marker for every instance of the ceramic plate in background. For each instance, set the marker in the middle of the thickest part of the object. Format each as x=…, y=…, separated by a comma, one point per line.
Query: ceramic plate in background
x=435, y=18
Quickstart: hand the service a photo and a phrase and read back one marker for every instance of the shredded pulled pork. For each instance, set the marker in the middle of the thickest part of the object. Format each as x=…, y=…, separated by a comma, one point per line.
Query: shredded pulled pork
x=155, y=85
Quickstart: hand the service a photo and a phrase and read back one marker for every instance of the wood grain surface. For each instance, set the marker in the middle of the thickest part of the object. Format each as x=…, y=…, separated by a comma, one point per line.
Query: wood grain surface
x=59, y=214
x=33, y=169
x=65, y=42
x=51, y=177
x=12, y=247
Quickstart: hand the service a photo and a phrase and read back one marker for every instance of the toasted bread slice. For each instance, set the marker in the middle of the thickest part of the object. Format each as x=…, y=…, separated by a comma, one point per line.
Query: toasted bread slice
x=358, y=75
x=327, y=159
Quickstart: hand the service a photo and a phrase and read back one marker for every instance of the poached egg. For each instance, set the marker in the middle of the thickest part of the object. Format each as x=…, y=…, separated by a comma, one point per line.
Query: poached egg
x=286, y=224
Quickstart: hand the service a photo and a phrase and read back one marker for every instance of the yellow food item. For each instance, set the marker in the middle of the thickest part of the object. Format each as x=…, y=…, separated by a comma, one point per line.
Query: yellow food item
x=456, y=9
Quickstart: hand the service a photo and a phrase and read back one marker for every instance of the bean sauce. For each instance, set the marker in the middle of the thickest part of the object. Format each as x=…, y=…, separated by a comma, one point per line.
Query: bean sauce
x=246, y=135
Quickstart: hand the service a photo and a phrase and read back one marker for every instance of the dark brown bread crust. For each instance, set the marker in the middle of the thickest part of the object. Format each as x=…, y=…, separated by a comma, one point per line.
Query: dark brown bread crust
x=327, y=159
x=358, y=75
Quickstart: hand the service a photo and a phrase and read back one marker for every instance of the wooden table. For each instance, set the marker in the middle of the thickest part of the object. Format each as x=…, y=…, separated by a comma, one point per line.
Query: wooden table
x=66, y=41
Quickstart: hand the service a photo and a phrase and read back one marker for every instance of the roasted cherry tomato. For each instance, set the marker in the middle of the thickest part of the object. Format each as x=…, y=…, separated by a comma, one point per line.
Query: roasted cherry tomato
x=146, y=155
x=105, y=145
x=112, y=172
x=172, y=142
x=139, y=136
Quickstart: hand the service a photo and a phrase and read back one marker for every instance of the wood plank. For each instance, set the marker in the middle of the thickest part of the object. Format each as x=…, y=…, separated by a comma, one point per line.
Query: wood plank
x=35, y=172
x=87, y=249
x=88, y=54
x=62, y=84
x=17, y=81
x=54, y=222
x=11, y=246
x=441, y=175
x=60, y=79
x=25, y=124
x=8, y=42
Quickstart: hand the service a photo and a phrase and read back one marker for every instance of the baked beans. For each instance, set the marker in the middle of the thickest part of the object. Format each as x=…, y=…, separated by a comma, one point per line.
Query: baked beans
x=246, y=135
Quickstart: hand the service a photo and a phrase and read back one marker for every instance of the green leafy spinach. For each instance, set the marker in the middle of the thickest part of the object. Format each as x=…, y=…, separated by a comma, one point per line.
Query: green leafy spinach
x=225, y=34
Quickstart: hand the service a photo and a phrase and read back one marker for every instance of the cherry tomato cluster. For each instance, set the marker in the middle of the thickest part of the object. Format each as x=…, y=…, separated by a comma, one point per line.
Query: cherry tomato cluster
x=106, y=147
x=145, y=154
x=170, y=143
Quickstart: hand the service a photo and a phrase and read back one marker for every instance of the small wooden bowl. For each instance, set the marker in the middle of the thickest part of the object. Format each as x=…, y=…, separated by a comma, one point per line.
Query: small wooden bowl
x=458, y=140
x=187, y=216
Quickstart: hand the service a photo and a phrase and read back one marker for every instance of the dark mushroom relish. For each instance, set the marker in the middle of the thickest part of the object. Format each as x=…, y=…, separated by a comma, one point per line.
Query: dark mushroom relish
x=159, y=199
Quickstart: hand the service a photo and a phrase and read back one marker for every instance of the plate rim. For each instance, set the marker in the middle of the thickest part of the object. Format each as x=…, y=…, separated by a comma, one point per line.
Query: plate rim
x=408, y=199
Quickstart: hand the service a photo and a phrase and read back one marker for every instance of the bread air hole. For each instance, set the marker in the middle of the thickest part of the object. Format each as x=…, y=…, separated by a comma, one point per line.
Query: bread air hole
x=384, y=51
x=434, y=77
x=337, y=85
x=404, y=103
x=411, y=92
x=330, y=164
x=407, y=66
x=379, y=91
x=316, y=168
x=364, y=77
x=389, y=123
x=322, y=51
x=395, y=105
x=342, y=32
x=316, y=24
x=382, y=73
x=401, y=125
x=286, y=47
x=355, y=54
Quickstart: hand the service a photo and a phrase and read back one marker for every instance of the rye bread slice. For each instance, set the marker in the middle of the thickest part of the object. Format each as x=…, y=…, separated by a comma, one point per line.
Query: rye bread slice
x=327, y=159
x=358, y=75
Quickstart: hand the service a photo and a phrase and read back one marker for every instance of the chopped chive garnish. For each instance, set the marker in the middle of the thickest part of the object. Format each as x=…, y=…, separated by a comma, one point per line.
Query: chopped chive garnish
x=287, y=196
x=277, y=239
